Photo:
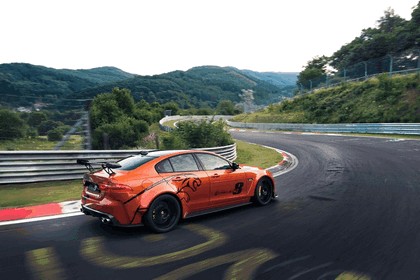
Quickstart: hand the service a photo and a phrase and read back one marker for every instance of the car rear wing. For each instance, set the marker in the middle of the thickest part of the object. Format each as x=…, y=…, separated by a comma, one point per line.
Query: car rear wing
x=106, y=166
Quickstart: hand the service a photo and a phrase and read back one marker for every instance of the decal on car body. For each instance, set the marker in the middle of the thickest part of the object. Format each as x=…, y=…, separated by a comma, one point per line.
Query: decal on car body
x=238, y=188
x=189, y=183
x=195, y=184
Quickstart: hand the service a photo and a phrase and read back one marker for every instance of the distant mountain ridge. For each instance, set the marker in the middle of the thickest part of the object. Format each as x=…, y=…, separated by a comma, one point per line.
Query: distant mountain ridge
x=22, y=84
x=22, y=75
x=202, y=86
x=275, y=78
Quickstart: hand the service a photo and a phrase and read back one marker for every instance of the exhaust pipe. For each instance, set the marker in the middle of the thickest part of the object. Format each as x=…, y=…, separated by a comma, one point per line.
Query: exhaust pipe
x=106, y=221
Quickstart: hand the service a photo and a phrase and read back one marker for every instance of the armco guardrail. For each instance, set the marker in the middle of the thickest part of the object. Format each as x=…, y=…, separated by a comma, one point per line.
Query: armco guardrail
x=188, y=118
x=42, y=166
x=374, y=128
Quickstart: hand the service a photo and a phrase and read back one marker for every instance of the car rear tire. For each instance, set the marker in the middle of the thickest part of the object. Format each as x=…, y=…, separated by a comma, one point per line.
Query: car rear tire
x=263, y=192
x=163, y=214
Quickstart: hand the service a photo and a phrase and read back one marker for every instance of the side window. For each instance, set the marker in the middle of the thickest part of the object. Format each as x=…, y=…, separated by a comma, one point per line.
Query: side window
x=164, y=167
x=184, y=163
x=212, y=162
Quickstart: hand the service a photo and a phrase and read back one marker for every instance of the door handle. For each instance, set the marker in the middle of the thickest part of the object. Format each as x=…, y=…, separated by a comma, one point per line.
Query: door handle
x=215, y=175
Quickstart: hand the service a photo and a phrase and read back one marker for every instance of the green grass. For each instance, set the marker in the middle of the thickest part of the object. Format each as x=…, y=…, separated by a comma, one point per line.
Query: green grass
x=170, y=123
x=15, y=195
x=256, y=155
x=75, y=142
x=39, y=143
x=381, y=99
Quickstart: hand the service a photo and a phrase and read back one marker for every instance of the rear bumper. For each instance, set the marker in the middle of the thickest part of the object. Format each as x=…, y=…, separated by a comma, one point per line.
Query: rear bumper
x=105, y=217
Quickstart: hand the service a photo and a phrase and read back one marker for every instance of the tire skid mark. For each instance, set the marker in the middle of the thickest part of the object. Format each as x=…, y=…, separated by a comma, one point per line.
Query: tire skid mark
x=245, y=263
x=287, y=263
x=44, y=264
x=93, y=250
x=301, y=273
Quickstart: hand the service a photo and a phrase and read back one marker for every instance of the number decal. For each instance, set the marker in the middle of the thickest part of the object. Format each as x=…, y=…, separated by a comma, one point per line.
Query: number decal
x=238, y=188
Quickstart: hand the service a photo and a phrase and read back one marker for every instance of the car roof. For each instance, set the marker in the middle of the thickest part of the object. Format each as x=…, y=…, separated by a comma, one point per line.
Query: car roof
x=172, y=152
x=163, y=153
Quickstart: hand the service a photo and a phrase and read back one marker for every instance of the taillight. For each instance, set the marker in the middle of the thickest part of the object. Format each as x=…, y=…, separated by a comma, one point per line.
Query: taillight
x=103, y=187
x=115, y=187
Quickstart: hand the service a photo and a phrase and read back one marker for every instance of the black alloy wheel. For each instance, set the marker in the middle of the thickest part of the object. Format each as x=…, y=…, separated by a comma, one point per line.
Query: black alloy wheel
x=163, y=214
x=263, y=191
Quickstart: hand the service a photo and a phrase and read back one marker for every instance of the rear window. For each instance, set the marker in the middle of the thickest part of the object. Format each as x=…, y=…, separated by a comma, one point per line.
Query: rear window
x=133, y=162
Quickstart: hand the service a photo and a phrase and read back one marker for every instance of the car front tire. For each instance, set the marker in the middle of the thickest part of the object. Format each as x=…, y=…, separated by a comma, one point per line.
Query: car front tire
x=163, y=214
x=263, y=192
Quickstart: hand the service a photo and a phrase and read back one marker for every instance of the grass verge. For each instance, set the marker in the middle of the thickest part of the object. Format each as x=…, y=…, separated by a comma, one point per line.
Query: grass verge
x=15, y=195
x=256, y=155
x=40, y=143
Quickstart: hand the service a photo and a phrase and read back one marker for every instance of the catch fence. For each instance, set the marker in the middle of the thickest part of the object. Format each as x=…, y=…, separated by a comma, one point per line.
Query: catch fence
x=400, y=63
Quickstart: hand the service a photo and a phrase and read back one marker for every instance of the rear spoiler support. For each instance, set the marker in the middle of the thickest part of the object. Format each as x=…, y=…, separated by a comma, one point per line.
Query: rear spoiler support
x=106, y=166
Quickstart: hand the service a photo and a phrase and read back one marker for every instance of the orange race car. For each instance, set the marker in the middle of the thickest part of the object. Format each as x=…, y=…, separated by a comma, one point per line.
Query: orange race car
x=158, y=188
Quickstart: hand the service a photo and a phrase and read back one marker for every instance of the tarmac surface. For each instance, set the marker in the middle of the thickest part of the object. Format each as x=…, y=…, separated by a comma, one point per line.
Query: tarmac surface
x=349, y=209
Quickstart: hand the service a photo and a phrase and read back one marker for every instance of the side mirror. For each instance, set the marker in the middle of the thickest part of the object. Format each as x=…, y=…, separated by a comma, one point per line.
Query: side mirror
x=234, y=165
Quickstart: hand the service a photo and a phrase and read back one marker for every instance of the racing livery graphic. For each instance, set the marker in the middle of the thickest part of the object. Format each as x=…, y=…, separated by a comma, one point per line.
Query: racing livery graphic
x=158, y=188
x=189, y=183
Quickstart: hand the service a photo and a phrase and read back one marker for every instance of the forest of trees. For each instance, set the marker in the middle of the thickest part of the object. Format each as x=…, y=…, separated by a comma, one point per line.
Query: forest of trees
x=53, y=124
x=118, y=122
x=393, y=35
x=199, y=87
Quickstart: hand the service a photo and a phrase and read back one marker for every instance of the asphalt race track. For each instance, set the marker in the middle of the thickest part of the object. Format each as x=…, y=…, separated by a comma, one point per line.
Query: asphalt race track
x=349, y=210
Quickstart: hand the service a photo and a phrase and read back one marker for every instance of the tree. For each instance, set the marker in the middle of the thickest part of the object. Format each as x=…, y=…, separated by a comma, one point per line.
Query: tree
x=118, y=122
x=173, y=106
x=226, y=107
x=36, y=118
x=198, y=135
x=124, y=133
x=11, y=125
x=124, y=100
x=48, y=125
x=413, y=27
x=393, y=34
x=314, y=71
x=104, y=110
x=389, y=22
x=55, y=135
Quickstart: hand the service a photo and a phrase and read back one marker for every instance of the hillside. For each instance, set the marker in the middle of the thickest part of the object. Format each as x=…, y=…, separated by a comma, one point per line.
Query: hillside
x=23, y=84
x=378, y=100
x=198, y=87
x=280, y=79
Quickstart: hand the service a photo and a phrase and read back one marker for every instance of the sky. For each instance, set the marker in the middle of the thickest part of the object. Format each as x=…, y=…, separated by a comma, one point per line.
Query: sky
x=158, y=36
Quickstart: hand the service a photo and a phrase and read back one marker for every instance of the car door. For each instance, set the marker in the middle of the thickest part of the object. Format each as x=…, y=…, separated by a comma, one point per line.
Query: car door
x=227, y=185
x=191, y=183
